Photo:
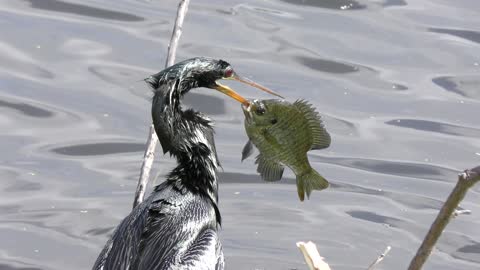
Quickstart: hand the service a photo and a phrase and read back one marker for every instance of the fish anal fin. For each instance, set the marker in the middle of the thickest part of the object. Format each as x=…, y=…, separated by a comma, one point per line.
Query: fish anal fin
x=269, y=170
x=247, y=150
x=320, y=137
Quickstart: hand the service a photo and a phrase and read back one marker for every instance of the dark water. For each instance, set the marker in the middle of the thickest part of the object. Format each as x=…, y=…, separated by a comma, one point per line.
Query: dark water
x=397, y=81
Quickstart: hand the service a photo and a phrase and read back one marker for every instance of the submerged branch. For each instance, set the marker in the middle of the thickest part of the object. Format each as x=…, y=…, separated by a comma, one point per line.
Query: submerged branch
x=465, y=181
x=380, y=258
x=152, y=141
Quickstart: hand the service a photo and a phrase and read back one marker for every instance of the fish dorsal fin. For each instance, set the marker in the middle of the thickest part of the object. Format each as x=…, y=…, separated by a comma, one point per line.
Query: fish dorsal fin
x=247, y=150
x=268, y=169
x=321, y=138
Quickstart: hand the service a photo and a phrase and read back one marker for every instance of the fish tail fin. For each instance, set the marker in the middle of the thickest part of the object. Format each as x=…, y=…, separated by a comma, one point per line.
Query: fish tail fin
x=309, y=181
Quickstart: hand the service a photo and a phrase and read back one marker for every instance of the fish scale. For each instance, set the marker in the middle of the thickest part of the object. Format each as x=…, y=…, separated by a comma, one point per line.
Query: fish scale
x=283, y=132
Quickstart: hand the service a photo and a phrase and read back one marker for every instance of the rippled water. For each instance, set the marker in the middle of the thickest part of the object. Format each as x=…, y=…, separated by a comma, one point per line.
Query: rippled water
x=397, y=81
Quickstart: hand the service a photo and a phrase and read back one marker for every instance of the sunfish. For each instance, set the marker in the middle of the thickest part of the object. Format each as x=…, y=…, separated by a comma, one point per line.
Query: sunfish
x=283, y=133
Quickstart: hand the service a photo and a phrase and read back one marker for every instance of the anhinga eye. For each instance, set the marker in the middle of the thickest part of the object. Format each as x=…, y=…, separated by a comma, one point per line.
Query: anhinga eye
x=228, y=72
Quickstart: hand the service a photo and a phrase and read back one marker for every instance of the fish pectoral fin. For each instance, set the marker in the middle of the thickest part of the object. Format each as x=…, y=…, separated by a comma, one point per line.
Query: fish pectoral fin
x=247, y=150
x=269, y=170
x=320, y=136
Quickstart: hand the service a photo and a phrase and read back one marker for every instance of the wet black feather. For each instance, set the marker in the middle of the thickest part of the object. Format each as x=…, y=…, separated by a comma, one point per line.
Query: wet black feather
x=176, y=226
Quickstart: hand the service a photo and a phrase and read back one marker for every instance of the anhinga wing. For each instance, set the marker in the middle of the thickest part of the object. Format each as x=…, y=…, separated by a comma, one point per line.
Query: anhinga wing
x=169, y=230
x=123, y=246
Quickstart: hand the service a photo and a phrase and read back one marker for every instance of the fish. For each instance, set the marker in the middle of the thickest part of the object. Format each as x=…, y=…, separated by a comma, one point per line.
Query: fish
x=283, y=133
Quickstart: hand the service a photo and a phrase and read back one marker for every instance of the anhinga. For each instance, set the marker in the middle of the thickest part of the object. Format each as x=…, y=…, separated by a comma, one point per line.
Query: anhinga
x=176, y=226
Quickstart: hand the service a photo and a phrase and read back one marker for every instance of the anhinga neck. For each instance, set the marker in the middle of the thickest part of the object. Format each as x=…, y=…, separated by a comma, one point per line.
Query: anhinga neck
x=187, y=135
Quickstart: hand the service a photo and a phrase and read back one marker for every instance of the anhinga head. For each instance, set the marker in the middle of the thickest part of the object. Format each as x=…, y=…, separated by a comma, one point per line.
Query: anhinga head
x=174, y=127
x=201, y=72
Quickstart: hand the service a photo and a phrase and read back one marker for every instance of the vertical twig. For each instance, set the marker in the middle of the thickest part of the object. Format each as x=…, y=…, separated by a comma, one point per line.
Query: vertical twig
x=152, y=141
x=465, y=181
x=177, y=32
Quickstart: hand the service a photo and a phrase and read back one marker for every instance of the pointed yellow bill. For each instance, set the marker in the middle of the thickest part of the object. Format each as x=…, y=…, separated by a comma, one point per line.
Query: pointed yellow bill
x=231, y=93
x=254, y=84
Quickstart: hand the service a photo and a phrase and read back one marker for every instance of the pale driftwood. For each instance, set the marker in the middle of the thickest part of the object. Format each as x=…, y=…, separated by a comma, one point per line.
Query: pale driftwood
x=152, y=140
x=312, y=257
x=465, y=181
x=457, y=213
x=317, y=262
x=379, y=259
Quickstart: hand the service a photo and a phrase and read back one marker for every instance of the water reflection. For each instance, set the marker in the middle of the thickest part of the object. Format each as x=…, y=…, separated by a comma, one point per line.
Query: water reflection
x=98, y=149
x=16, y=61
x=269, y=11
x=473, y=248
x=376, y=218
x=340, y=126
x=330, y=4
x=205, y=103
x=26, y=109
x=23, y=186
x=387, y=3
x=12, y=267
x=325, y=65
x=120, y=75
x=470, y=35
x=469, y=252
x=240, y=178
x=466, y=86
x=101, y=231
x=438, y=127
x=408, y=200
x=415, y=170
x=83, y=10
x=399, y=87
x=75, y=119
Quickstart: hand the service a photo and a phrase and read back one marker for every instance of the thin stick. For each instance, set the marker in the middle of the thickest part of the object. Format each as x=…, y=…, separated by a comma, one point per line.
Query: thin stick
x=177, y=32
x=147, y=163
x=152, y=140
x=380, y=258
x=465, y=181
x=312, y=257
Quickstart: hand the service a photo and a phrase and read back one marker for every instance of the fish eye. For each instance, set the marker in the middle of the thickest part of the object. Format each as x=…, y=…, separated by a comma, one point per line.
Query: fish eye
x=260, y=110
x=273, y=121
x=228, y=72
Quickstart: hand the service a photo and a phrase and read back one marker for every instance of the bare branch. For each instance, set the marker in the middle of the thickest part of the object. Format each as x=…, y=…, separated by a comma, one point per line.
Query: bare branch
x=148, y=158
x=177, y=32
x=152, y=140
x=380, y=258
x=465, y=181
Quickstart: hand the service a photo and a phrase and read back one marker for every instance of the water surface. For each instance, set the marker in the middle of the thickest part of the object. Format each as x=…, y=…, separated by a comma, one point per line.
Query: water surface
x=397, y=82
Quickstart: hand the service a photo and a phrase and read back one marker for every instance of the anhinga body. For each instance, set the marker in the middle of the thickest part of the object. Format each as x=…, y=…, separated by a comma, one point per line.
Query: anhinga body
x=176, y=226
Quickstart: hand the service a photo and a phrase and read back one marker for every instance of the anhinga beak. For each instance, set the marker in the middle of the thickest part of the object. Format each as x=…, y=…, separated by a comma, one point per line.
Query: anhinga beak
x=230, y=92
x=254, y=84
